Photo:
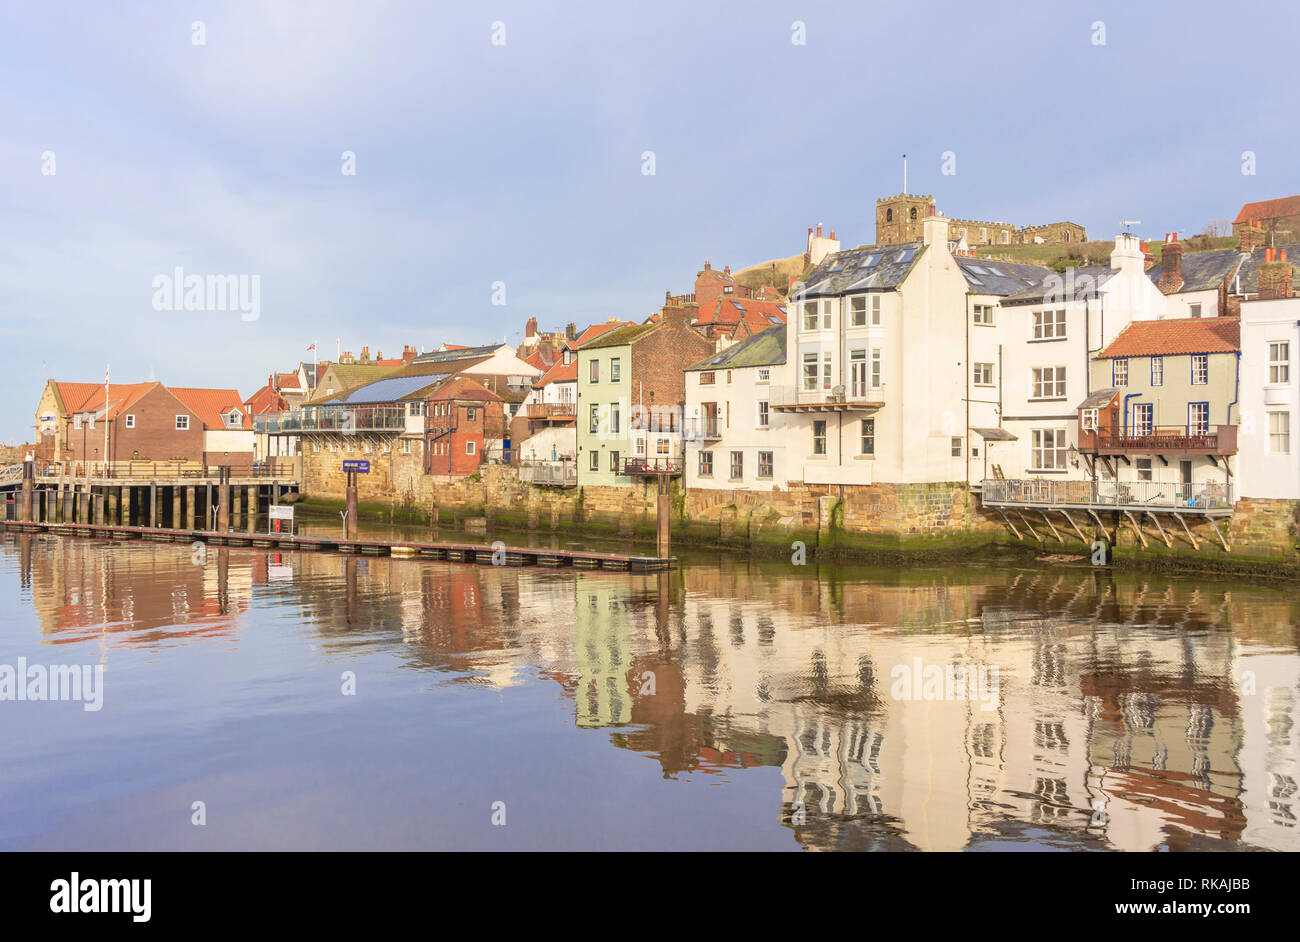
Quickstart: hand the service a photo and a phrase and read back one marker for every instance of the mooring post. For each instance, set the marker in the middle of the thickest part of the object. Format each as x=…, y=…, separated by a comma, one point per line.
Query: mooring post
x=350, y=521
x=665, y=516
x=25, y=502
x=223, y=500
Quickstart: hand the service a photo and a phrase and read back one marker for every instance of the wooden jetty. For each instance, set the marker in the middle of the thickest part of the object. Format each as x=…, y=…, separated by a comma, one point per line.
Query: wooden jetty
x=284, y=542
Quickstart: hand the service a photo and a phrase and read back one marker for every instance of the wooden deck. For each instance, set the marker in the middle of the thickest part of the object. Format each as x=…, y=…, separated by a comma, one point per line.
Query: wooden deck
x=455, y=552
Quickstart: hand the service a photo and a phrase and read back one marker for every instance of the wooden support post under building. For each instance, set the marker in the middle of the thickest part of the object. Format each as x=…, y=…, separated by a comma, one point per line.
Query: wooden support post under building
x=1048, y=520
x=223, y=501
x=664, y=509
x=1032, y=531
x=97, y=497
x=1011, y=526
x=153, y=506
x=251, y=521
x=1136, y=529
x=1160, y=530
x=113, y=499
x=236, y=507
x=25, y=496
x=189, y=507
x=1196, y=544
x=176, y=507
x=1082, y=539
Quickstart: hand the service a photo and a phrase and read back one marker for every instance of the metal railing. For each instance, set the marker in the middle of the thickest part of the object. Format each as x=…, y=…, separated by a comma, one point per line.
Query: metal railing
x=779, y=397
x=549, y=473
x=384, y=418
x=1163, y=439
x=278, y=467
x=1130, y=495
x=551, y=410
x=648, y=466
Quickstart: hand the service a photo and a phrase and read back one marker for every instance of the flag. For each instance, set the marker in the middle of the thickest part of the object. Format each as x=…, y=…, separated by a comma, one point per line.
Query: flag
x=312, y=347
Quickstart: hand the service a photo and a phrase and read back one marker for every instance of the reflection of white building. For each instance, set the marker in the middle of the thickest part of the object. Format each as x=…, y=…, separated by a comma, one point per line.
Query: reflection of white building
x=1270, y=753
x=1269, y=444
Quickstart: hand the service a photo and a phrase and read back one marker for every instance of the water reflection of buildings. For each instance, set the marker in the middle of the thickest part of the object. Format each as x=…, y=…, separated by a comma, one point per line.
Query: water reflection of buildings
x=1131, y=713
x=140, y=593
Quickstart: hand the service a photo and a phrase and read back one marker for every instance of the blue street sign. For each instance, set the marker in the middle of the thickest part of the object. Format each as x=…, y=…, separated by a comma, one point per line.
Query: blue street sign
x=361, y=467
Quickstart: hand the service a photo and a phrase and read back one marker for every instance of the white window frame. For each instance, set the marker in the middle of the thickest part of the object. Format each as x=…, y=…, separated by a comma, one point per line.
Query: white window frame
x=130, y=420
x=762, y=414
x=1045, y=388
x=1279, y=362
x=982, y=374
x=1279, y=440
x=1048, y=325
x=182, y=423
x=1200, y=377
x=1040, y=448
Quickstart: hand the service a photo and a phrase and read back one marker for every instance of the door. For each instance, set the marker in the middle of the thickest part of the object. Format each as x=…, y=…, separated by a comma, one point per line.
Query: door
x=1185, y=481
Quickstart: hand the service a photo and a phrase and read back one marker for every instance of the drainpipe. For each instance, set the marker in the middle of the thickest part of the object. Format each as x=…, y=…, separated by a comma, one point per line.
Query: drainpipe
x=1126, y=399
x=966, y=441
x=1087, y=351
x=1236, y=396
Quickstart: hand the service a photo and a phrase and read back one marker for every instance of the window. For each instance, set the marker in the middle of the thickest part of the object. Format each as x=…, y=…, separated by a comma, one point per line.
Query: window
x=819, y=436
x=594, y=460
x=810, y=312
x=615, y=369
x=764, y=464
x=1157, y=371
x=826, y=369
x=1088, y=420
x=710, y=411
x=1142, y=418
x=956, y=447
x=810, y=371
x=912, y=213
x=1049, y=325
x=858, y=311
x=1143, y=466
x=470, y=414
x=1200, y=369
x=1119, y=371
x=875, y=369
x=595, y=370
x=875, y=310
x=417, y=408
x=130, y=421
x=984, y=234
x=826, y=315
x=707, y=378
x=1279, y=363
x=406, y=446
x=1048, y=382
x=470, y=447
x=182, y=422
x=76, y=420
x=728, y=377
x=706, y=464
x=613, y=462
x=983, y=374
x=1194, y=310
x=737, y=465
x=1279, y=433
x=858, y=371
x=1047, y=449
x=889, y=215
x=762, y=413
x=982, y=314
x=568, y=356
x=661, y=446
x=614, y=418
x=595, y=419
x=640, y=446
x=867, y=443
x=764, y=375
x=1198, y=418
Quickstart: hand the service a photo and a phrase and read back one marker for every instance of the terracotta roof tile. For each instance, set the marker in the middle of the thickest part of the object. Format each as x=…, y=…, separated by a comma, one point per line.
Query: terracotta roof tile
x=1269, y=209
x=211, y=404
x=1175, y=336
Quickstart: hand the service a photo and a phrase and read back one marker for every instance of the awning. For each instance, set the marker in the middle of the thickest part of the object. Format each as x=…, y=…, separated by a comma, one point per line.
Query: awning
x=995, y=434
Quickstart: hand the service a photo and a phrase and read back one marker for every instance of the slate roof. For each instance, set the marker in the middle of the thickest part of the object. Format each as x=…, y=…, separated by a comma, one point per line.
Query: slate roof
x=620, y=336
x=1249, y=271
x=986, y=276
x=1099, y=275
x=1269, y=209
x=1174, y=336
x=1203, y=271
x=866, y=268
x=455, y=352
x=766, y=348
x=388, y=389
x=1098, y=398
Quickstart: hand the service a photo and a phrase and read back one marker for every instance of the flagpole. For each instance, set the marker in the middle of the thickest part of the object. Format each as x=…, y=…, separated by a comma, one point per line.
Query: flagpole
x=106, y=386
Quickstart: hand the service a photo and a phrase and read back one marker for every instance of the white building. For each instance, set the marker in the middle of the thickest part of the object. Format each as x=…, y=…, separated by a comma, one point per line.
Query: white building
x=1268, y=464
x=735, y=439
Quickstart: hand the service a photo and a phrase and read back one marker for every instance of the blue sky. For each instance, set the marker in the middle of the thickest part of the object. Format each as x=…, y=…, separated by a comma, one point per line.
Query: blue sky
x=521, y=163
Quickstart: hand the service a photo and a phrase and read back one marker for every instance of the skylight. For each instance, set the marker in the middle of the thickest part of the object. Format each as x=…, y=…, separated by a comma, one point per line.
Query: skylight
x=905, y=255
x=836, y=265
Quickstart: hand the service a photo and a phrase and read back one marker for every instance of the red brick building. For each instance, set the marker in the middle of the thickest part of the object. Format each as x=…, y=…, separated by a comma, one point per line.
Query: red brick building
x=464, y=422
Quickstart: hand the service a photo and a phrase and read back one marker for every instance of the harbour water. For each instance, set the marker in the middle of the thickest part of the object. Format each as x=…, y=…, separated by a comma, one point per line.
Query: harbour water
x=253, y=700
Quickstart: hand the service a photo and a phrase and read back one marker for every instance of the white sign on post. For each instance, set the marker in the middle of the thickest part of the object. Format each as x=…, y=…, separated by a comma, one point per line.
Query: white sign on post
x=281, y=511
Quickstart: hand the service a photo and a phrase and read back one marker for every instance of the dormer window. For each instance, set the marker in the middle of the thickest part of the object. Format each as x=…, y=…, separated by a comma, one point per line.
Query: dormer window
x=568, y=356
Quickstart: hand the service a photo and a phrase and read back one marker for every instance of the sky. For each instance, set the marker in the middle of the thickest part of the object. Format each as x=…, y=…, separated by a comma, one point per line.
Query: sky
x=504, y=146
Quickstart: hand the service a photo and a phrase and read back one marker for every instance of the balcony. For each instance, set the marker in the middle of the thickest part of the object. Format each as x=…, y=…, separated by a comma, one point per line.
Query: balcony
x=383, y=418
x=651, y=467
x=1161, y=440
x=1034, y=494
x=559, y=412
x=855, y=398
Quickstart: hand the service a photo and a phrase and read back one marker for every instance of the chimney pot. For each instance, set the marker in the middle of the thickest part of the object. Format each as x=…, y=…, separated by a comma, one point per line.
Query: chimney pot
x=819, y=230
x=1281, y=255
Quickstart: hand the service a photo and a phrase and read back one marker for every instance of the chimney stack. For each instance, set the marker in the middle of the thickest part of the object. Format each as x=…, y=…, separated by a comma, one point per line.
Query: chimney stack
x=1171, y=265
x=1276, y=276
x=1251, y=235
x=530, y=328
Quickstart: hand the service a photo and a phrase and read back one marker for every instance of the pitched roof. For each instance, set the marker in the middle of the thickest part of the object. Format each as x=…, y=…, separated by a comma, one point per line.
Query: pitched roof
x=595, y=330
x=1174, y=336
x=866, y=268
x=287, y=381
x=389, y=389
x=457, y=352
x=89, y=397
x=211, y=404
x=1203, y=271
x=729, y=313
x=1269, y=209
x=1249, y=270
x=265, y=401
x=462, y=387
x=559, y=373
x=1002, y=279
x=1092, y=277
x=620, y=335
x=766, y=348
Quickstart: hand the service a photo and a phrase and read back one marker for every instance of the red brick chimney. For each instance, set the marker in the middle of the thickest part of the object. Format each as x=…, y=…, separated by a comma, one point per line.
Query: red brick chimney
x=1148, y=260
x=1251, y=235
x=530, y=328
x=365, y=354
x=1171, y=265
x=1276, y=277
